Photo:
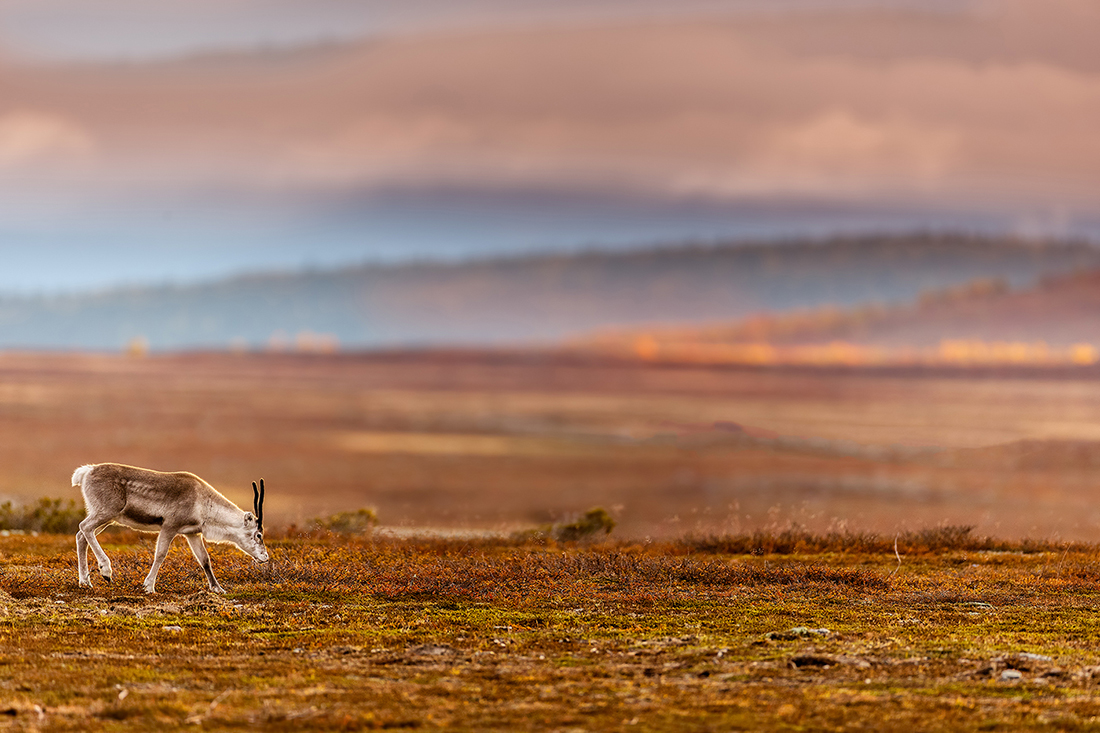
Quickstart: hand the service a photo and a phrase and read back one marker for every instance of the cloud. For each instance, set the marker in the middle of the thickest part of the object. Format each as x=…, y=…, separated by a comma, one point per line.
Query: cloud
x=30, y=137
x=829, y=153
x=868, y=102
x=836, y=146
x=374, y=147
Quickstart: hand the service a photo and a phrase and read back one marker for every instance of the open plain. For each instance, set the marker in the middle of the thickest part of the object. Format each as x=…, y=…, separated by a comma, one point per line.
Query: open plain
x=792, y=549
x=500, y=441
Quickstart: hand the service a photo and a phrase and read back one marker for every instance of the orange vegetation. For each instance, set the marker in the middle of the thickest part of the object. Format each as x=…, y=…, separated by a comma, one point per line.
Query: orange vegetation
x=957, y=352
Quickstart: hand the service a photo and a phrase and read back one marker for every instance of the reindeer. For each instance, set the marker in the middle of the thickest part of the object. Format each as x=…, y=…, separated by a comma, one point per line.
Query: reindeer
x=168, y=503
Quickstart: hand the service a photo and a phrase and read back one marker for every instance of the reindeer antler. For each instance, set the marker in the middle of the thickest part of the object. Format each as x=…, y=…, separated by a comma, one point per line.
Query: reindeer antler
x=258, y=504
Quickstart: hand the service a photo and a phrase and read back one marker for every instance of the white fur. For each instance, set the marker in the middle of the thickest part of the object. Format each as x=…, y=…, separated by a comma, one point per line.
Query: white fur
x=80, y=473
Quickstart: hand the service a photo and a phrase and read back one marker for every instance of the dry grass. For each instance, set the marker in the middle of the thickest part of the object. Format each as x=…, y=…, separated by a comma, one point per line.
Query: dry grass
x=714, y=624
x=521, y=635
x=930, y=540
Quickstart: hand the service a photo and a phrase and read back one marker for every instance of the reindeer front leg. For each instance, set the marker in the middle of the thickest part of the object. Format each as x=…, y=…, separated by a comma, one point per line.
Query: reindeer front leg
x=164, y=541
x=198, y=549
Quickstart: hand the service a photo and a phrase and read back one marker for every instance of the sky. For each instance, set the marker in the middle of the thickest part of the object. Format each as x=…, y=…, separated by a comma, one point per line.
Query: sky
x=180, y=141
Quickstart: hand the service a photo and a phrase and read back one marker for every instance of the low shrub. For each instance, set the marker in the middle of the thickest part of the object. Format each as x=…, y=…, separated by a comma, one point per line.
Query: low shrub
x=54, y=516
x=592, y=523
x=348, y=523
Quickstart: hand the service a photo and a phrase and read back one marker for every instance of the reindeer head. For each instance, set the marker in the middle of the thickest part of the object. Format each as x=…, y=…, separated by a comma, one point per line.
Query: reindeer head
x=253, y=537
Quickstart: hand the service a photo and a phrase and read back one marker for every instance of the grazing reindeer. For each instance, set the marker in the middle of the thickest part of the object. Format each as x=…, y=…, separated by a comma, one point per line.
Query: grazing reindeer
x=168, y=503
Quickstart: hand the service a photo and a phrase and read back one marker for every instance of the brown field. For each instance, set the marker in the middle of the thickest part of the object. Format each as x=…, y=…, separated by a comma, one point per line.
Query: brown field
x=802, y=572
x=502, y=441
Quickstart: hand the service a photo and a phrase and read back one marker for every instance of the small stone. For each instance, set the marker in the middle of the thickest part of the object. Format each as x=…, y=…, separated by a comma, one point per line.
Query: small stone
x=1024, y=661
x=823, y=661
x=1011, y=675
x=798, y=632
x=433, y=650
x=807, y=631
x=172, y=628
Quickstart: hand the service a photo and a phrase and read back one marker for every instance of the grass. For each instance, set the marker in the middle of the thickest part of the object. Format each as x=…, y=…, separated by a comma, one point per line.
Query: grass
x=522, y=634
x=797, y=540
x=566, y=627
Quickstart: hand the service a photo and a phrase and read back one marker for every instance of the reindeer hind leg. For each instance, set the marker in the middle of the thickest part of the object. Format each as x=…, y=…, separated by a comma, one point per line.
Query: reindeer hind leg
x=82, y=559
x=91, y=526
x=164, y=541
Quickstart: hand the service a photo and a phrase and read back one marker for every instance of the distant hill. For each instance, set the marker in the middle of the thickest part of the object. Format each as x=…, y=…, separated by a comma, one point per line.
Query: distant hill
x=985, y=321
x=1060, y=311
x=534, y=299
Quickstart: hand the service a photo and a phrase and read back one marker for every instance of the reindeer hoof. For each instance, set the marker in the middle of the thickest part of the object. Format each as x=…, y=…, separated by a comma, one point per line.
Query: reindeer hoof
x=85, y=583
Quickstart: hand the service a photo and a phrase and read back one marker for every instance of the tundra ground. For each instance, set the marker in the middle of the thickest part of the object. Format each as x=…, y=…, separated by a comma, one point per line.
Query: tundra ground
x=794, y=632
x=748, y=626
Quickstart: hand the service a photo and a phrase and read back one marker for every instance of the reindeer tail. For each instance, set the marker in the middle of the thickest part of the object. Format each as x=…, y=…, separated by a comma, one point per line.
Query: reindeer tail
x=80, y=473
